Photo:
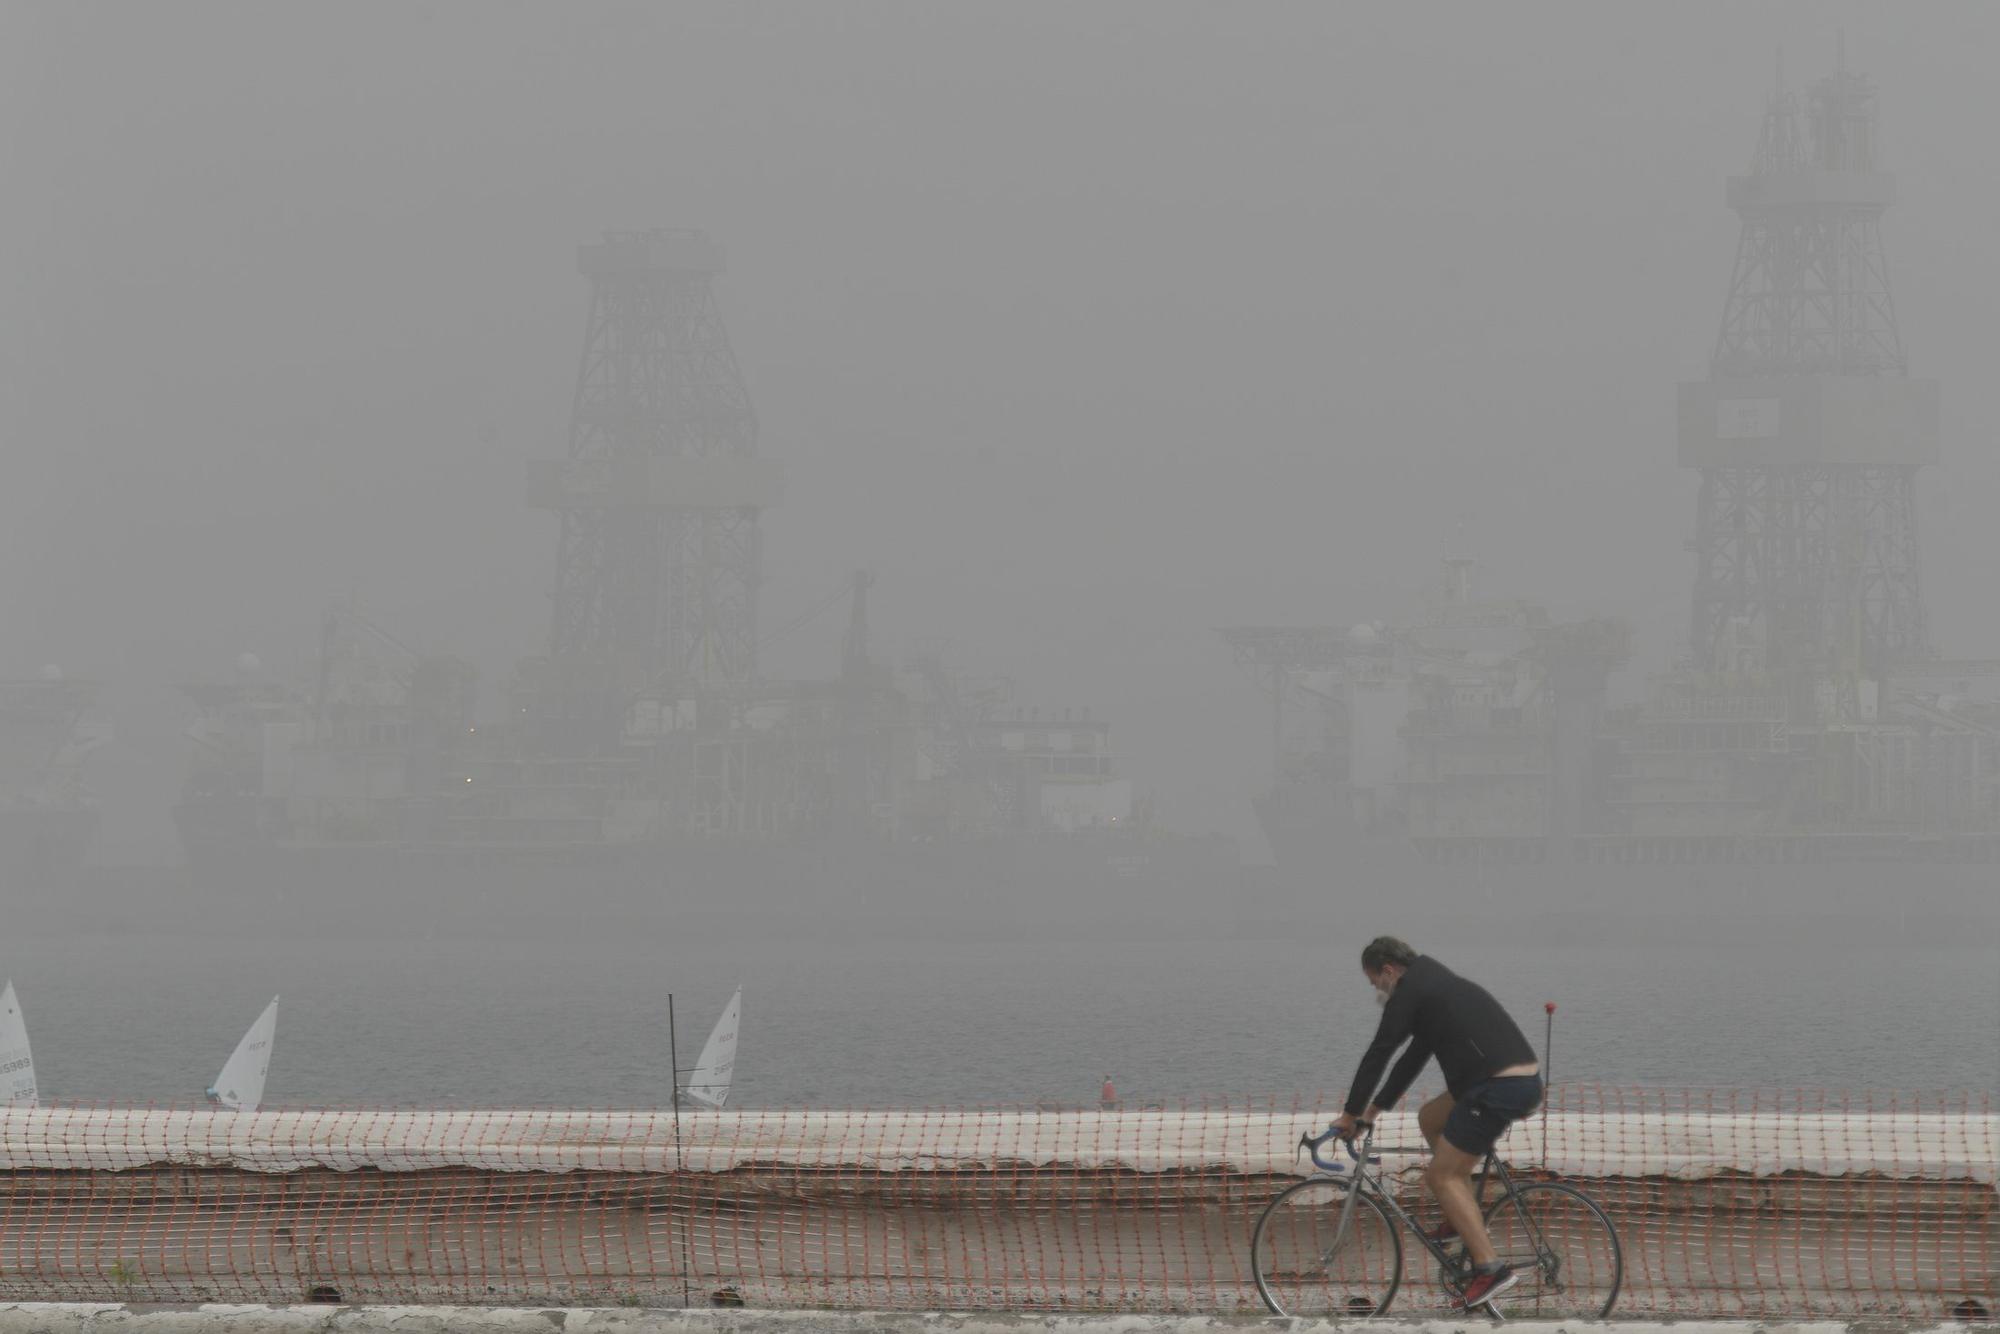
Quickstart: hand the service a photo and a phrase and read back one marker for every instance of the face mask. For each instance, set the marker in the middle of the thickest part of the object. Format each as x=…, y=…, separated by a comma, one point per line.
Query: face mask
x=1383, y=993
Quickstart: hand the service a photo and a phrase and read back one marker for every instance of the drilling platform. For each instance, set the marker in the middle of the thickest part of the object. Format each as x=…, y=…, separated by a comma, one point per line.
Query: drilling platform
x=1810, y=745
x=645, y=774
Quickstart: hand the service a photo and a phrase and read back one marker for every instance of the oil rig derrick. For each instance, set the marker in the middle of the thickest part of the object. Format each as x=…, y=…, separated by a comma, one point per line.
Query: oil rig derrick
x=1813, y=719
x=659, y=495
x=1809, y=432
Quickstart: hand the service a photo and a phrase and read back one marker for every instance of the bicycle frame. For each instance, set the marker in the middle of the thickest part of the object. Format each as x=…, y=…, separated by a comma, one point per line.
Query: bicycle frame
x=1528, y=1249
x=1361, y=1179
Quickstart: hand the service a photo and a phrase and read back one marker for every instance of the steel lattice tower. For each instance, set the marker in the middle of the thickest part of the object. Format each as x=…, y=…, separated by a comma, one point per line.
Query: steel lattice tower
x=659, y=560
x=1809, y=433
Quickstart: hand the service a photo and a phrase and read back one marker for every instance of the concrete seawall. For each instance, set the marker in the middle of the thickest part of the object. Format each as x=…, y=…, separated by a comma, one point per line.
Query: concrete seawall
x=51, y=1318
x=1063, y=1213
x=1018, y=1240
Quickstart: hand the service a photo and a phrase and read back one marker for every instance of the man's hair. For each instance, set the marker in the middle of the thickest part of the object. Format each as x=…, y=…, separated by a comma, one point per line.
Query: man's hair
x=1385, y=950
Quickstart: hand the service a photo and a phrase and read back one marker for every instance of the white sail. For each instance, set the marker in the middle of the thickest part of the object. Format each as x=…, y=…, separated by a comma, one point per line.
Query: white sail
x=17, y=1063
x=240, y=1086
x=710, y=1081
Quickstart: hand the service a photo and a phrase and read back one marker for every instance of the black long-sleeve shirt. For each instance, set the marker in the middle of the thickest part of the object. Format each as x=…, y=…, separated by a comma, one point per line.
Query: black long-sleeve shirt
x=1444, y=1015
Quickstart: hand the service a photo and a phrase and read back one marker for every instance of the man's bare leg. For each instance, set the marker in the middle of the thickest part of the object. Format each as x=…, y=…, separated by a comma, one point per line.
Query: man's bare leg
x=1449, y=1176
x=1431, y=1117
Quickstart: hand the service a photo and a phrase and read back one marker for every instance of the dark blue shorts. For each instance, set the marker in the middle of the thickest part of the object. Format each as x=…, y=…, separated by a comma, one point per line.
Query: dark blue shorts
x=1481, y=1117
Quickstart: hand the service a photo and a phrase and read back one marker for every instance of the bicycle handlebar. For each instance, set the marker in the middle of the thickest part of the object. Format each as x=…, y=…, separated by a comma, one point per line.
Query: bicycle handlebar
x=1312, y=1144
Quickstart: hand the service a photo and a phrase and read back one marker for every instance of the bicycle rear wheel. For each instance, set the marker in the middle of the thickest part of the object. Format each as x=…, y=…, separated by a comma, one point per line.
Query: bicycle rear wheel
x=1562, y=1246
x=1307, y=1264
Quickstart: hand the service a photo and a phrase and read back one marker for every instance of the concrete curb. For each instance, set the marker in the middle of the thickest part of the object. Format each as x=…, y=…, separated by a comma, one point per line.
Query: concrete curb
x=93, y=1318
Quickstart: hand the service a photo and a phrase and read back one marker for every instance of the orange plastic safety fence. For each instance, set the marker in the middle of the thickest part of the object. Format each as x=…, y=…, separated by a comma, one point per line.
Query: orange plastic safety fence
x=1725, y=1203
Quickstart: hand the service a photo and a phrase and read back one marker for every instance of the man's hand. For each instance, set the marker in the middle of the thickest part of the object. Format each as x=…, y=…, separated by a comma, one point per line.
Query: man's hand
x=1345, y=1126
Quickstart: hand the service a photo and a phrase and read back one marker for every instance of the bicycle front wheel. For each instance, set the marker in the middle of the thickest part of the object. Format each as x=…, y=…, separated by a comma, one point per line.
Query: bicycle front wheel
x=1562, y=1246
x=1313, y=1257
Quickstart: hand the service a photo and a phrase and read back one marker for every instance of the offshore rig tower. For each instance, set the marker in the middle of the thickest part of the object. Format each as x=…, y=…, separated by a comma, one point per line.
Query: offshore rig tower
x=649, y=703
x=651, y=675
x=1809, y=431
x=661, y=492
x=1811, y=718
x=1814, y=719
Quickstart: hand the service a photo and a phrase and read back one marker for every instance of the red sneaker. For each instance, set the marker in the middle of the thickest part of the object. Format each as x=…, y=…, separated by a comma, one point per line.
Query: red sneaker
x=1487, y=1284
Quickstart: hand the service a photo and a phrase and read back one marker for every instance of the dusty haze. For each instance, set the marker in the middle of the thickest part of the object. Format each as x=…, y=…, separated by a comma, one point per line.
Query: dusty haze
x=1086, y=328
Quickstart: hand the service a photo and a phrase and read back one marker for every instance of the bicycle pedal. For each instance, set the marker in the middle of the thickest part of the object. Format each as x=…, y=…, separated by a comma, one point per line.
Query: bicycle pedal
x=1455, y=1304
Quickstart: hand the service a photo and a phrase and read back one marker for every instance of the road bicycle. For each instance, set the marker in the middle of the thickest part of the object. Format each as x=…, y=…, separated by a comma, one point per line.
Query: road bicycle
x=1331, y=1245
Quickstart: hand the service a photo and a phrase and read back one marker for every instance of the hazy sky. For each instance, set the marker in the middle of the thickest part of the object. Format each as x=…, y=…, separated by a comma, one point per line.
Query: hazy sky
x=1087, y=327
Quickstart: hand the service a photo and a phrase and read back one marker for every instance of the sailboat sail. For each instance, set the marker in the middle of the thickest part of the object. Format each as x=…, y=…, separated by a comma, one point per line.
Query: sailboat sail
x=17, y=1063
x=240, y=1086
x=710, y=1081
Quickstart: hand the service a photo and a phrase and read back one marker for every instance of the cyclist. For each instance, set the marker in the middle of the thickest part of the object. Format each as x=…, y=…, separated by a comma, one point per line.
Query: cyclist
x=1491, y=1080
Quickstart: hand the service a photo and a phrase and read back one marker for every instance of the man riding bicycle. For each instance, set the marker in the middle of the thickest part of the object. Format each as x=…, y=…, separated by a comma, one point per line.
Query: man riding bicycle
x=1491, y=1080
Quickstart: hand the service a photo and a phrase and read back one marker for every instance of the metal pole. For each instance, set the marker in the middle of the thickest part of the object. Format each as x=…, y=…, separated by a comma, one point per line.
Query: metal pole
x=1548, y=1043
x=674, y=1056
x=680, y=1158
x=1548, y=1070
